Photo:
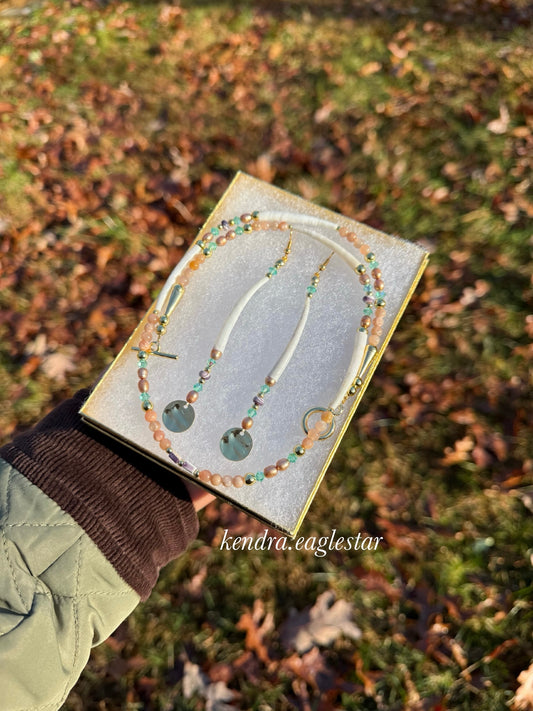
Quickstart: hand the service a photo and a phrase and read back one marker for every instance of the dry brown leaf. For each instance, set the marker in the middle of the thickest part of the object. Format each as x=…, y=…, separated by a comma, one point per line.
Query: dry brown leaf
x=523, y=700
x=320, y=625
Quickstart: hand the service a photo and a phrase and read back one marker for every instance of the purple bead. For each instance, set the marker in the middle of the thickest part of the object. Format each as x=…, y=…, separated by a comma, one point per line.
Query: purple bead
x=225, y=224
x=189, y=468
x=205, y=374
x=173, y=457
x=369, y=300
x=258, y=400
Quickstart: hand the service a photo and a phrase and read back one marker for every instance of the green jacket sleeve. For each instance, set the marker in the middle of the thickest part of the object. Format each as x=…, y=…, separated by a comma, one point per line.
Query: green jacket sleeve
x=59, y=596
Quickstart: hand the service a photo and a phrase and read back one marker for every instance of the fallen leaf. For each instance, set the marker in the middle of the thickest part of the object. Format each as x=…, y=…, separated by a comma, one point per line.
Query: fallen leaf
x=57, y=365
x=320, y=625
x=523, y=700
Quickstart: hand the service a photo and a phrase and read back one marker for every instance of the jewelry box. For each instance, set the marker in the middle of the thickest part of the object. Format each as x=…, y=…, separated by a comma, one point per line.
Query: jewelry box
x=289, y=289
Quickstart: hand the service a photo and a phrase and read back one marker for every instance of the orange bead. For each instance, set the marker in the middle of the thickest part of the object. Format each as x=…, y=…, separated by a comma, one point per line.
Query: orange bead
x=307, y=443
x=216, y=479
x=205, y=476
x=238, y=481
x=159, y=435
x=327, y=416
x=373, y=341
x=165, y=443
x=364, y=249
x=321, y=427
x=150, y=415
x=194, y=265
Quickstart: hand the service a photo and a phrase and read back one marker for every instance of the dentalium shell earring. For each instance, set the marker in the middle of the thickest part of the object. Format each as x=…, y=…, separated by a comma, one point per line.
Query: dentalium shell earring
x=179, y=415
x=236, y=443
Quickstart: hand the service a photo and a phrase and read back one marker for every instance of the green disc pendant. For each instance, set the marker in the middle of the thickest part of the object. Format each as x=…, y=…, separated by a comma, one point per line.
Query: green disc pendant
x=236, y=444
x=178, y=416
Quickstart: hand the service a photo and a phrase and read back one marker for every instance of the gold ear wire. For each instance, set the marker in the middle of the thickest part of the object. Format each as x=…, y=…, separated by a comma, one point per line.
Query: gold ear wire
x=325, y=263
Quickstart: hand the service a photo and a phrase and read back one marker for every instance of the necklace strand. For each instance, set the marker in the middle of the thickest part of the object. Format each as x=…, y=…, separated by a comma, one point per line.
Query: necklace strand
x=367, y=337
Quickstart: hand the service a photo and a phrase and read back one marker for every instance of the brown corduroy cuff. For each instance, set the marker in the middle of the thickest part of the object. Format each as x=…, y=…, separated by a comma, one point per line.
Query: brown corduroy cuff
x=139, y=515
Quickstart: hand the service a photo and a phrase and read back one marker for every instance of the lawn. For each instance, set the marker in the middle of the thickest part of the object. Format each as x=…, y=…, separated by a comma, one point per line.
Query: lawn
x=122, y=123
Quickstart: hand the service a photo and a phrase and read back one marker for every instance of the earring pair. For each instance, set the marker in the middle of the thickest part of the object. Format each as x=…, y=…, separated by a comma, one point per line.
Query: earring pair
x=236, y=443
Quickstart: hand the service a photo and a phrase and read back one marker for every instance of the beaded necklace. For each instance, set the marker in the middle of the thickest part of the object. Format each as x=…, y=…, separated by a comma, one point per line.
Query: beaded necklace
x=365, y=347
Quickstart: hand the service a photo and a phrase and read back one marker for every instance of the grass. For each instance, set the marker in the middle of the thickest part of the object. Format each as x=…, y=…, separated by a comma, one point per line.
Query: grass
x=124, y=126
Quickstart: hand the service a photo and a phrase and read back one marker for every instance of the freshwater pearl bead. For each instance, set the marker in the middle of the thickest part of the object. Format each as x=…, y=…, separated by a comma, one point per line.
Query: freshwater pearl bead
x=226, y=480
x=366, y=321
x=282, y=464
x=269, y=381
x=379, y=285
x=221, y=241
x=238, y=481
x=270, y=471
x=246, y=217
x=143, y=386
x=216, y=479
x=247, y=423
x=192, y=396
x=165, y=443
x=364, y=279
x=159, y=435
x=376, y=273
x=205, y=475
x=216, y=354
x=231, y=235
x=142, y=373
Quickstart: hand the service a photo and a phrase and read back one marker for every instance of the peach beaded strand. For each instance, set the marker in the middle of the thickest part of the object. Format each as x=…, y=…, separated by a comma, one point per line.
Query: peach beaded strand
x=218, y=237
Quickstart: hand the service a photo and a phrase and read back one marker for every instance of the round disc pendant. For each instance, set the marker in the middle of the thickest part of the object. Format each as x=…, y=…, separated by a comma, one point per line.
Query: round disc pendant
x=178, y=416
x=236, y=444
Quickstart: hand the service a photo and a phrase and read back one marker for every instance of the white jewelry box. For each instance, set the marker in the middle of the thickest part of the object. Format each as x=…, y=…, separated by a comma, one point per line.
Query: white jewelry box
x=311, y=379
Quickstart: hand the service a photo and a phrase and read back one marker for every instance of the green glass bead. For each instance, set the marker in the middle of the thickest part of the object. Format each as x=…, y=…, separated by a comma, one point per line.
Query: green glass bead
x=237, y=221
x=374, y=264
x=311, y=289
x=211, y=362
x=264, y=389
x=239, y=230
x=142, y=363
x=144, y=397
x=215, y=231
x=259, y=476
x=252, y=412
x=292, y=457
x=198, y=387
x=272, y=271
x=368, y=311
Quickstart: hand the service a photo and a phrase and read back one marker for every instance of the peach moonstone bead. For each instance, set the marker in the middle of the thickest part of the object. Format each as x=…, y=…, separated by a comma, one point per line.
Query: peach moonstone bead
x=150, y=416
x=205, y=476
x=216, y=479
x=308, y=443
x=238, y=481
x=165, y=443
